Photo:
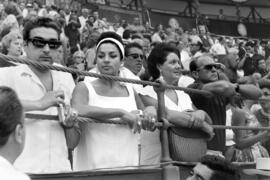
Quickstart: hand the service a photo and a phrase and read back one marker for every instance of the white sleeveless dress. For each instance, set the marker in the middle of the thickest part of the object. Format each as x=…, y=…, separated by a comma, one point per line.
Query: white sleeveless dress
x=107, y=145
x=150, y=141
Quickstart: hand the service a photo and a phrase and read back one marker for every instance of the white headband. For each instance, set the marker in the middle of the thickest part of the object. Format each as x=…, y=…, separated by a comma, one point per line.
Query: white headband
x=118, y=43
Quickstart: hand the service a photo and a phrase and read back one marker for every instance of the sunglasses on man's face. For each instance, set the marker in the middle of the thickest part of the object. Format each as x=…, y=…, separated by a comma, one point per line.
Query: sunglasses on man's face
x=41, y=43
x=209, y=67
x=136, y=56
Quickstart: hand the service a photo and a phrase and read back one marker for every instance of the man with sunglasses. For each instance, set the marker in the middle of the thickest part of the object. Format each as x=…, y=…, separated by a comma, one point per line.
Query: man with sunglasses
x=43, y=92
x=134, y=57
x=206, y=75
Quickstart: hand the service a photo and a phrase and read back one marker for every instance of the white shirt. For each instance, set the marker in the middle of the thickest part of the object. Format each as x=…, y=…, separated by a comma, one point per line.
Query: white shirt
x=218, y=49
x=156, y=38
x=8, y=172
x=83, y=22
x=185, y=59
x=25, y=12
x=185, y=81
x=45, y=148
x=120, y=31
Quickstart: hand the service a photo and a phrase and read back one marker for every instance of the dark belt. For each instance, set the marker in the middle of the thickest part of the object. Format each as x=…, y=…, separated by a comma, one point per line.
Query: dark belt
x=42, y=117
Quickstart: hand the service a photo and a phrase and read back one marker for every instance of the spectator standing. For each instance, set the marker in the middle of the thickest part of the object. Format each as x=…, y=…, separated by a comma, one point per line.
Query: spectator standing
x=106, y=99
x=221, y=16
x=164, y=65
x=98, y=24
x=248, y=64
x=219, y=47
x=48, y=90
x=204, y=70
x=72, y=32
x=159, y=34
x=136, y=26
x=83, y=18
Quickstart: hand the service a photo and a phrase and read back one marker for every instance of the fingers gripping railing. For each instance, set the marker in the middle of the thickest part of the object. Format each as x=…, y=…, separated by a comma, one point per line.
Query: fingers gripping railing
x=123, y=123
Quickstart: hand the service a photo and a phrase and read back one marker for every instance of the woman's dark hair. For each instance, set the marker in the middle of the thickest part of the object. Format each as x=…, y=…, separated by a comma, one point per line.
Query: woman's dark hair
x=158, y=57
x=11, y=113
x=112, y=35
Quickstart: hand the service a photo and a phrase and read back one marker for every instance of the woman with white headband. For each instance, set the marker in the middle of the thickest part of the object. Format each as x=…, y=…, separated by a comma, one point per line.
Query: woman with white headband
x=109, y=145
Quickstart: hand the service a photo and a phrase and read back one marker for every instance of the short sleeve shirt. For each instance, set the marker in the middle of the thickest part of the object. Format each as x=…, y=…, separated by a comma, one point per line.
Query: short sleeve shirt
x=215, y=106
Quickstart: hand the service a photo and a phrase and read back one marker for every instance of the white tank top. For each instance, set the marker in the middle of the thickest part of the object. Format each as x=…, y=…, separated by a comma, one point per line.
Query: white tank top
x=107, y=145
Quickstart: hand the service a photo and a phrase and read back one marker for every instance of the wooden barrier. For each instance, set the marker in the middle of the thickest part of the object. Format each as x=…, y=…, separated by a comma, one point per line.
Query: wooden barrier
x=120, y=174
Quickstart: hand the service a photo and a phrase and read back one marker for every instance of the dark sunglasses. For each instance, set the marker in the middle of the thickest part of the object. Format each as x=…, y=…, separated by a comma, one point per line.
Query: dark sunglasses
x=41, y=43
x=136, y=56
x=209, y=67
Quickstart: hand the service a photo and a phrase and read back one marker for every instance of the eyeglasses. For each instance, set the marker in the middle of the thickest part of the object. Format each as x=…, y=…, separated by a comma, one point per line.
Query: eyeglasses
x=209, y=67
x=136, y=56
x=41, y=43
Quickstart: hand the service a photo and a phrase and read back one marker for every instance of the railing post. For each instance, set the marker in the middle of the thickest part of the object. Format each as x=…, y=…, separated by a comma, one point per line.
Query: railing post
x=169, y=172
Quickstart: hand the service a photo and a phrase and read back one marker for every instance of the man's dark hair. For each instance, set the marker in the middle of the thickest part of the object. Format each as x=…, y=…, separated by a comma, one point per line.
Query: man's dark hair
x=193, y=65
x=250, y=43
x=132, y=45
x=39, y=22
x=223, y=169
x=11, y=113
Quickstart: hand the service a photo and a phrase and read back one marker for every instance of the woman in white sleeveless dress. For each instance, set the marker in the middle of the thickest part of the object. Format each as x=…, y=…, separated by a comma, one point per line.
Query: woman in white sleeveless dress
x=107, y=145
x=164, y=64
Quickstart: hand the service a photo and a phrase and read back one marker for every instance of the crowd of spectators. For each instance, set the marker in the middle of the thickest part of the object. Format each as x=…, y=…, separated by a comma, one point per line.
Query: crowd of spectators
x=236, y=71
